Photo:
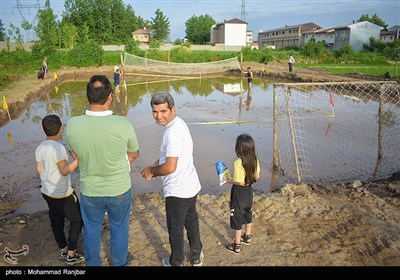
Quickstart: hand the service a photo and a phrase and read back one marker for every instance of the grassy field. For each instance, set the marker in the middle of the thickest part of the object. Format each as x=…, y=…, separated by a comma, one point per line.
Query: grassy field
x=375, y=70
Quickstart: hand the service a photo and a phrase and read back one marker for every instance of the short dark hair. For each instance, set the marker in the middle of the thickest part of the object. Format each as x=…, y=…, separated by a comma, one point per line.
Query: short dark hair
x=98, y=89
x=51, y=125
x=161, y=98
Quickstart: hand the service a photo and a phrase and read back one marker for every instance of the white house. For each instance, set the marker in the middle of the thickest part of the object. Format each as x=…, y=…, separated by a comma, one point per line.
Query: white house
x=230, y=33
x=392, y=34
x=356, y=35
x=249, y=37
x=325, y=35
x=286, y=36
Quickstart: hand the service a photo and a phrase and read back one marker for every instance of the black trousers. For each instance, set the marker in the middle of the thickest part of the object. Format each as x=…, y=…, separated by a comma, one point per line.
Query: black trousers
x=59, y=210
x=181, y=212
x=241, y=206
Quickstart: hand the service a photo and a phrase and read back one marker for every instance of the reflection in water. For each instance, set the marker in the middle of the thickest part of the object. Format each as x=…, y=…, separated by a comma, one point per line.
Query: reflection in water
x=10, y=139
x=248, y=100
x=215, y=118
x=121, y=107
x=198, y=101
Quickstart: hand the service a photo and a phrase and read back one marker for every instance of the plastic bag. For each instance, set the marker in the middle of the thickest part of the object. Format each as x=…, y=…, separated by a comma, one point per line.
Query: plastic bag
x=222, y=172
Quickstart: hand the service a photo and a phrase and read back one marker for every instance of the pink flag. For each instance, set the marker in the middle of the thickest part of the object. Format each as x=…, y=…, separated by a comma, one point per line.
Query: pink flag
x=331, y=100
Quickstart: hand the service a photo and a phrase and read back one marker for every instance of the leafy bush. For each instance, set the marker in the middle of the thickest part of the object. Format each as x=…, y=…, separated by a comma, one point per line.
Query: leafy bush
x=261, y=56
x=313, y=49
x=177, y=42
x=345, y=53
x=88, y=54
x=132, y=46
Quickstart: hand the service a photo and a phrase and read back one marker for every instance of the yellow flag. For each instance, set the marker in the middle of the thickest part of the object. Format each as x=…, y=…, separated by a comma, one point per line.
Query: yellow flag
x=10, y=138
x=55, y=76
x=5, y=106
x=56, y=89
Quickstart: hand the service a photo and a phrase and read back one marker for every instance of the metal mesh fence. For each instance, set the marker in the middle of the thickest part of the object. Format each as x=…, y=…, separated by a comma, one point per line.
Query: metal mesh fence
x=335, y=132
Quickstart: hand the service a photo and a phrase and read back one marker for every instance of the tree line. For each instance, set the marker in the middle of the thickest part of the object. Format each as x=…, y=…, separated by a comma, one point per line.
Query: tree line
x=112, y=22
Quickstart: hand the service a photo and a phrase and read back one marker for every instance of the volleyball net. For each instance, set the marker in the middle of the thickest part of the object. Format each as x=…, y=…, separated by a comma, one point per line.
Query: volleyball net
x=133, y=63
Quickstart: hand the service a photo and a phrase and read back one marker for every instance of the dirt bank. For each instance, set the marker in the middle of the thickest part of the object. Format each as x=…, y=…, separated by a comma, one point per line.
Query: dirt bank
x=299, y=225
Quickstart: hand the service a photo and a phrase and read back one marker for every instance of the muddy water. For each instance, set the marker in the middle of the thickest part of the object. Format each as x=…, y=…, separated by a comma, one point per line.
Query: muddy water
x=216, y=110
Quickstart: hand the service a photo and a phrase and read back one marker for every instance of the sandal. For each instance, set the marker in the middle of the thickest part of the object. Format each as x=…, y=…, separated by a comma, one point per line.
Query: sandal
x=234, y=248
x=245, y=239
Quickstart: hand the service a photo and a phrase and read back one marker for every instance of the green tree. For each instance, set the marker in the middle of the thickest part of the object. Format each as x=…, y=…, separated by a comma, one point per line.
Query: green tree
x=375, y=45
x=15, y=34
x=69, y=35
x=26, y=25
x=109, y=21
x=83, y=36
x=2, y=34
x=375, y=19
x=132, y=22
x=102, y=29
x=161, y=26
x=392, y=51
x=46, y=27
x=80, y=14
x=198, y=29
x=119, y=22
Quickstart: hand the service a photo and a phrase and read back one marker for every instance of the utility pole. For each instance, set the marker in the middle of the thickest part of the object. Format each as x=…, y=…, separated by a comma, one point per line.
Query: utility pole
x=243, y=10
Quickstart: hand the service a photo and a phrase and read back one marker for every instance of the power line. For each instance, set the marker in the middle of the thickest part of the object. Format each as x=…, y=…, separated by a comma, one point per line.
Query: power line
x=20, y=7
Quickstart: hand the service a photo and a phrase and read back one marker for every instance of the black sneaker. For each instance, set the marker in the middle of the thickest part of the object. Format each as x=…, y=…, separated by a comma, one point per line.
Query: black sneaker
x=199, y=261
x=62, y=255
x=74, y=260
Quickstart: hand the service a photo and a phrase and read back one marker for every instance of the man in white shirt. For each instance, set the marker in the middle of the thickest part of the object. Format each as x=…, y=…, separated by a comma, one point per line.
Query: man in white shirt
x=291, y=62
x=180, y=181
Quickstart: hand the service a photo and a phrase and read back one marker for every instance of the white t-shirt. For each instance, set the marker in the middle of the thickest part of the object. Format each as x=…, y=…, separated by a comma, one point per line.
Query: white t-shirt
x=177, y=142
x=54, y=184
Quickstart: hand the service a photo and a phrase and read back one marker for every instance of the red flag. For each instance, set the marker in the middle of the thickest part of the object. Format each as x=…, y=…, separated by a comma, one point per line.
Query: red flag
x=331, y=100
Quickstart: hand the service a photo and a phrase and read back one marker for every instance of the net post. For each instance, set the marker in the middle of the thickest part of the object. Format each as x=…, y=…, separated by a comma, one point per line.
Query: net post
x=288, y=95
x=275, y=152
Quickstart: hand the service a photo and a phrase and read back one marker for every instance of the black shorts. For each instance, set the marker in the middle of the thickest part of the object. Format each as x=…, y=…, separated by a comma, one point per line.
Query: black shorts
x=241, y=205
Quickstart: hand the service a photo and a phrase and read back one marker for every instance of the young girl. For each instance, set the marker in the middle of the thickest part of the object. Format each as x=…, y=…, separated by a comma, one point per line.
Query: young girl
x=45, y=68
x=246, y=171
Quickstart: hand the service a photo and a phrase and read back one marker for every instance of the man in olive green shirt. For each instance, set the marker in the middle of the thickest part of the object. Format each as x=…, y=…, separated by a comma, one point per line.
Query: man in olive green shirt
x=106, y=145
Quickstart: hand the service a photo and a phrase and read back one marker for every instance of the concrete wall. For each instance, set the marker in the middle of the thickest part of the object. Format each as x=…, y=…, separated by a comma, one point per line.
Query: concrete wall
x=3, y=46
x=166, y=47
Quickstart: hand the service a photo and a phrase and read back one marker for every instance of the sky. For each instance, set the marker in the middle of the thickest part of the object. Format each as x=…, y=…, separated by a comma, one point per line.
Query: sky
x=261, y=15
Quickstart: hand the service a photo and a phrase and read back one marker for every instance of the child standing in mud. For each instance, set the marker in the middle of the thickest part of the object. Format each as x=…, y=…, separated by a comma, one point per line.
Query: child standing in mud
x=246, y=171
x=53, y=168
